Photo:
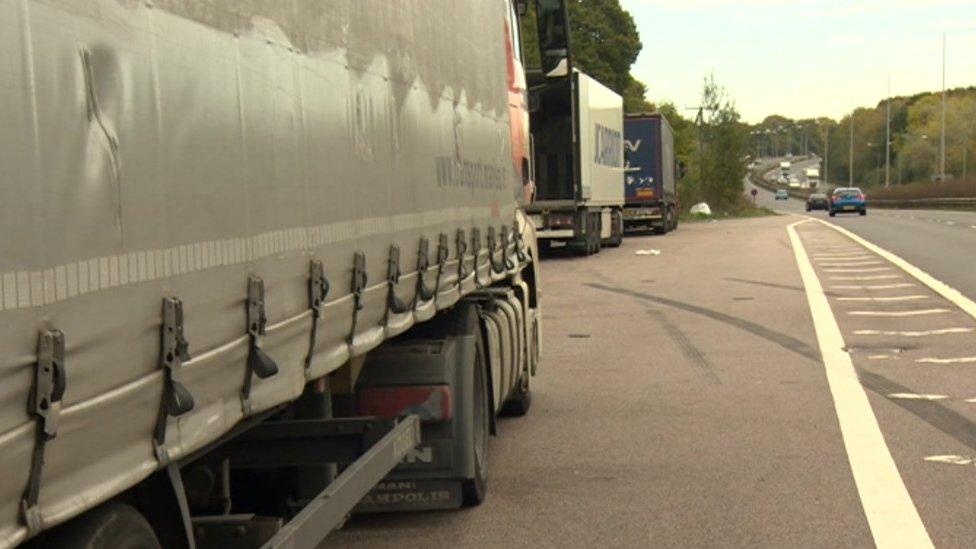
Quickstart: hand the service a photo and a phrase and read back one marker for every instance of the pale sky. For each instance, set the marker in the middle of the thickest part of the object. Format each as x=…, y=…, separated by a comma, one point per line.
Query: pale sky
x=802, y=58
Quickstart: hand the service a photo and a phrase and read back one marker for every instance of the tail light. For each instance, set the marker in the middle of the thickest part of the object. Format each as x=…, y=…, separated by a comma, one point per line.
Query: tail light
x=862, y=198
x=431, y=402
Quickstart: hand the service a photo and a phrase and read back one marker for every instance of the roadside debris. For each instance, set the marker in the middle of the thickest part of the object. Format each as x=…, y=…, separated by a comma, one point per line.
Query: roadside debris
x=652, y=251
x=701, y=209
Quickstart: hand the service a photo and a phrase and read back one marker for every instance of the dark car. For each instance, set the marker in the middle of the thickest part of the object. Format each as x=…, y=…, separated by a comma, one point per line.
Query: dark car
x=818, y=201
x=849, y=200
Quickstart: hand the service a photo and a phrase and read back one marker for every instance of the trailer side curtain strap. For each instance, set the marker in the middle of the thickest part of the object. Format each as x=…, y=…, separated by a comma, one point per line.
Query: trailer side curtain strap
x=497, y=268
x=318, y=290
x=442, y=254
x=258, y=362
x=393, y=302
x=44, y=403
x=476, y=250
x=174, y=350
x=506, y=241
x=359, y=280
x=462, y=249
x=424, y=293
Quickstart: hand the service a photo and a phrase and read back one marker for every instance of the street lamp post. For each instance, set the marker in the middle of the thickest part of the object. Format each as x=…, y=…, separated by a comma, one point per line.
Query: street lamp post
x=850, y=168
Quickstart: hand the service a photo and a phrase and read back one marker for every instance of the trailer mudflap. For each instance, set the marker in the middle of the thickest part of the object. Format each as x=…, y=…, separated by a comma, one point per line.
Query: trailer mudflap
x=329, y=509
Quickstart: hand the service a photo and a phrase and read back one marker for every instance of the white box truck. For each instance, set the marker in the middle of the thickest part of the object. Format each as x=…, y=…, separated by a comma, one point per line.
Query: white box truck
x=812, y=177
x=258, y=257
x=577, y=127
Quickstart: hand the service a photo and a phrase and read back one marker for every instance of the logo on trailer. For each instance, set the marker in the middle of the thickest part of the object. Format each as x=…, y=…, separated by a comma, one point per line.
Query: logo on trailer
x=607, y=146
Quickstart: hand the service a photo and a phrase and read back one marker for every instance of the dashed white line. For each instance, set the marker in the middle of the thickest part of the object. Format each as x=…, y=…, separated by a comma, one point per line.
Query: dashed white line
x=851, y=264
x=916, y=396
x=950, y=222
x=891, y=514
x=871, y=277
x=951, y=459
x=879, y=357
x=874, y=287
x=960, y=360
x=923, y=333
x=884, y=299
x=941, y=288
x=858, y=270
x=917, y=312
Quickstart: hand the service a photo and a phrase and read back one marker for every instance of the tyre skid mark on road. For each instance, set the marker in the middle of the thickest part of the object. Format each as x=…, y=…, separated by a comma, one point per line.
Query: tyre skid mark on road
x=689, y=349
x=890, y=511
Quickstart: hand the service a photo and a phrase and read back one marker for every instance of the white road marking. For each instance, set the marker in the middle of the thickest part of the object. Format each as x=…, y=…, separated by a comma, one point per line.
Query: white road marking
x=848, y=264
x=888, y=506
x=960, y=360
x=972, y=226
x=941, y=288
x=950, y=222
x=857, y=270
x=891, y=298
x=916, y=396
x=879, y=357
x=917, y=312
x=943, y=331
x=870, y=277
x=970, y=400
x=950, y=459
x=875, y=287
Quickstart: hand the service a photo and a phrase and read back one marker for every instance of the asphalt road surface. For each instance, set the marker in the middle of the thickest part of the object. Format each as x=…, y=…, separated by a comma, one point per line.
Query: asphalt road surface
x=941, y=242
x=768, y=382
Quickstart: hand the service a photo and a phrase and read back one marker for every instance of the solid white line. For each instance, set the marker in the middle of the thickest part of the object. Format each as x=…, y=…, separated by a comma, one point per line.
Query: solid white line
x=888, y=506
x=868, y=270
x=871, y=277
x=916, y=396
x=961, y=360
x=877, y=287
x=941, y=288
x=944, y=331
x=892, y=298
x=918, y=312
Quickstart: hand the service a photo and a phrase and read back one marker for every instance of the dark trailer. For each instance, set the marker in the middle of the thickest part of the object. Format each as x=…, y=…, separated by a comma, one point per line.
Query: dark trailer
x=651, y=197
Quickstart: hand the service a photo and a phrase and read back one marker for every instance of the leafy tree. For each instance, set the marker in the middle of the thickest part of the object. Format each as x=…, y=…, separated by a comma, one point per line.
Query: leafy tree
x=718, y=166
x=605, y=44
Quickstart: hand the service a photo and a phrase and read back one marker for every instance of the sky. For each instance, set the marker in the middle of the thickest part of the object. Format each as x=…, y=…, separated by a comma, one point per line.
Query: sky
x=803, y=58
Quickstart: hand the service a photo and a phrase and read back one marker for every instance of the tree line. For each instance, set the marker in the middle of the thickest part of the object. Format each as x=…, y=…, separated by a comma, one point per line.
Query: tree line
x=916, y=137
x=711, y=145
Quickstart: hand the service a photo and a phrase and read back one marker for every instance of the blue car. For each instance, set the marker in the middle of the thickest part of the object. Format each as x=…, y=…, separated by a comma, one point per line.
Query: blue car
x=848, y=200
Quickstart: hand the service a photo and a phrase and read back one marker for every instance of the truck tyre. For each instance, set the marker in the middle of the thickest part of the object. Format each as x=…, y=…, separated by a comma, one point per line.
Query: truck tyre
x=113, y=525
x=520, y=401
x=832, y=213
x=617, y=229
x=674, y=218
x=473, y=489
x=597, y=229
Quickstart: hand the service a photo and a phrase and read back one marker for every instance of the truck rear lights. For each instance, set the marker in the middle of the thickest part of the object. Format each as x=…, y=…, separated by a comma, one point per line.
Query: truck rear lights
x=432, y=403
x=560, y=220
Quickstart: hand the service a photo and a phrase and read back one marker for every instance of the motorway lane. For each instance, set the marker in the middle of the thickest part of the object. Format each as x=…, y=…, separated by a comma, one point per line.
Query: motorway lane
x=681, y=403
x=942, y=243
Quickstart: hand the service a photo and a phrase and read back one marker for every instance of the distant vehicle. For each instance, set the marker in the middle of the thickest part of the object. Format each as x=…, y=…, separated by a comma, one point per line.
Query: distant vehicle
x=794, y=182
x=848, y=200
x=812, y=175
x=784, y=168
x=818, y=201
x=781, y=194
x=651, y=197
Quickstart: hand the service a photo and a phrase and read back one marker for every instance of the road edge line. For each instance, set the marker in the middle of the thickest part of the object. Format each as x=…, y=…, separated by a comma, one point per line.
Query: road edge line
x=892, y=517
x=948, y=292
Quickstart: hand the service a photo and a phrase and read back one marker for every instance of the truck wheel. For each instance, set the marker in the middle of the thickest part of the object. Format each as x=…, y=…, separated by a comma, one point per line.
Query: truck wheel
x=597, y=228
x=473, y=489
x=113, y=525
x=674, y=215
x=617, y=230
x=519, y=403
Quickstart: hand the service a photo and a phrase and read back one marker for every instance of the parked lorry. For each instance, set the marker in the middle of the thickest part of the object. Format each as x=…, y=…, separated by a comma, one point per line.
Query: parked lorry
x=577, y=128
x=649, y=184
x=256, y=257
